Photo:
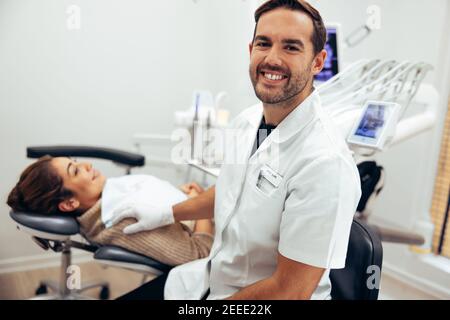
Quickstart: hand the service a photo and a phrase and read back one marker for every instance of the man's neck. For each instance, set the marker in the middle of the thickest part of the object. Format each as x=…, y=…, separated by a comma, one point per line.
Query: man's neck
x=274, y=114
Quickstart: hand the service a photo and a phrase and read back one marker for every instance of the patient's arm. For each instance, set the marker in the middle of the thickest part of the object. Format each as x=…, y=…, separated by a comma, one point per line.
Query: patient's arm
x=200, y=207
x=192, y=189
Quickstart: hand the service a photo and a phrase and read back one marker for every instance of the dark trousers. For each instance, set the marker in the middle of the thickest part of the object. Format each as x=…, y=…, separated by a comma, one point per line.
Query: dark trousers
x=152, y=290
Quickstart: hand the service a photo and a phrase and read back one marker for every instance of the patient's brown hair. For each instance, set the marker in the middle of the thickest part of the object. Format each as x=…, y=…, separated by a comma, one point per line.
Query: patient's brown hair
x=39, y=190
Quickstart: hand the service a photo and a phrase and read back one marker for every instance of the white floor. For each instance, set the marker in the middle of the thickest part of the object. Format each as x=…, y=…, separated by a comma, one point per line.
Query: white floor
x=392, y=289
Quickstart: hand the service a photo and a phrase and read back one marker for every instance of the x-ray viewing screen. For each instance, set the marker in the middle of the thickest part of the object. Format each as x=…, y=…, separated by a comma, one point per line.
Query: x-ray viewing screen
x=373, y=121
x=331, y=67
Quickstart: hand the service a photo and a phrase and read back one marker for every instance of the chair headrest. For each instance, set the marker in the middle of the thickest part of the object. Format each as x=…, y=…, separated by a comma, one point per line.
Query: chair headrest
x=60, y=225
x=118, y=156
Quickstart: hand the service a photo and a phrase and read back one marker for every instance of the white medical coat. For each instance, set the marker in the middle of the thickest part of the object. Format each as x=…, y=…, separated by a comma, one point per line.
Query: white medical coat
x=306, y=217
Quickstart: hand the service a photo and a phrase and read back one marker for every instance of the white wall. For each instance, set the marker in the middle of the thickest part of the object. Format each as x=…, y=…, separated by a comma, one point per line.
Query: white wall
x=228, y=50
x=134, y=62
x=126, y=70
x=409, y=30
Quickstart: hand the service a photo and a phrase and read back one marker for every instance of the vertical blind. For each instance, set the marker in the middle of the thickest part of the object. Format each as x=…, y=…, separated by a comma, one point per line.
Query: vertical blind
x=440, y=209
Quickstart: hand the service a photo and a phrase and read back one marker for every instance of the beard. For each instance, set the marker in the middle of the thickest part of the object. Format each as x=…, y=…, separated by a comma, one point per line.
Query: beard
x=296, y=83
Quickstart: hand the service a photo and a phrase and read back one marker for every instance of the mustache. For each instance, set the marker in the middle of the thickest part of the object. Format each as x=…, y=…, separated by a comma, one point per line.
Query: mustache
x=268, y=67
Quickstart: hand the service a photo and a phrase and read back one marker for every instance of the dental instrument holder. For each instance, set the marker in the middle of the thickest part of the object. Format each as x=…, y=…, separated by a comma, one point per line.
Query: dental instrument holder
x=194, y=133
x=205, y=115
x=202, y=122
x=207, y=139
x=405, y=128
x=200, y=141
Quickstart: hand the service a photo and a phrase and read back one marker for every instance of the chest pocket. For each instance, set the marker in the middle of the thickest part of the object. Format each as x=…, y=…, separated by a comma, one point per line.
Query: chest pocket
x=264, y=185
x=266, y=182
x=262, y=209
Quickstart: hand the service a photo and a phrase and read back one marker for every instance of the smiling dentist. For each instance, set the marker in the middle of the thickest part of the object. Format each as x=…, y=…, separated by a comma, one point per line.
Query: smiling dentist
x=284, y=207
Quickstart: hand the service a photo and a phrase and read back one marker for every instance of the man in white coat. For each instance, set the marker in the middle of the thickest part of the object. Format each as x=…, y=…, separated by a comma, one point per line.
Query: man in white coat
x=288, y=189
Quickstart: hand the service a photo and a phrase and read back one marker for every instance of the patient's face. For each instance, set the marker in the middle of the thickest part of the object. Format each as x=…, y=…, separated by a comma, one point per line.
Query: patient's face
x=82, y=179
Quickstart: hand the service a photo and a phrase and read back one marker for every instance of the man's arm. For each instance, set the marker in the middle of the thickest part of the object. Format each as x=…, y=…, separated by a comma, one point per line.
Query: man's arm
x=292, y=280
x=200, y=207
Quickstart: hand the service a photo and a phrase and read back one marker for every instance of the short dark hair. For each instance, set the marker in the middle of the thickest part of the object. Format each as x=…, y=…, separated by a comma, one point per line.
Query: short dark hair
x=319, y=36
x=39, y=190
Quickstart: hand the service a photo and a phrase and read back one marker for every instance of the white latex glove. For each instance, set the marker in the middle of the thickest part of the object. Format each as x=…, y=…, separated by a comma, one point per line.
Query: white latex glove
x=148, y=216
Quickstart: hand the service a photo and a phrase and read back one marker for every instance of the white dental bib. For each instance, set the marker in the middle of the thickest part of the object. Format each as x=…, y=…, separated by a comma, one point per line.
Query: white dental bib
x=137, y=188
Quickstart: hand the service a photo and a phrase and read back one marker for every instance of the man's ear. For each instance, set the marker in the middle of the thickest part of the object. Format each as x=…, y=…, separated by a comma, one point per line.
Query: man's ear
x=250, y=47
x=319, y=62
x=69, y=205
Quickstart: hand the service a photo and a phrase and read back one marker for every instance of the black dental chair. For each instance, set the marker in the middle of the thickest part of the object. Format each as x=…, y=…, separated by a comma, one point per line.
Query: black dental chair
x=360, y=279
x=364, y=255
x=56, y=232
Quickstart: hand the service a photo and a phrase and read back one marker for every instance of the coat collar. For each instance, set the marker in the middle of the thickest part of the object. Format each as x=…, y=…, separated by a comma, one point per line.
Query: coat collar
x=293, y=123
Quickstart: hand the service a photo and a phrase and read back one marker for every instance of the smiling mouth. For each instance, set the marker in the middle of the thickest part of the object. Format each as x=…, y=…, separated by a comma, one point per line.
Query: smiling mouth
x=273, y=77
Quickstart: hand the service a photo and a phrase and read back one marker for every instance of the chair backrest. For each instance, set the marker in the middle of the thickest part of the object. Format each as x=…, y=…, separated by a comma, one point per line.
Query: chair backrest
x=57, y=228
x=364, y=261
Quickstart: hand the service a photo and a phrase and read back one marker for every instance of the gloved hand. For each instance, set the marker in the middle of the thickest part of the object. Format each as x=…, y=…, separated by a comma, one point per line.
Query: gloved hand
x=148, y=216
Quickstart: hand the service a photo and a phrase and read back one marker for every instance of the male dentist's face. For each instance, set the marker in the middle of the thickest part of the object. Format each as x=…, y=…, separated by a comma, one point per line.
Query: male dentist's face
x=282, y=56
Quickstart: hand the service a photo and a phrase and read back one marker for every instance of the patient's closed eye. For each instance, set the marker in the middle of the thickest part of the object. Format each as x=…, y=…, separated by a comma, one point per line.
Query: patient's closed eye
x=72, y=169
x=75, y=171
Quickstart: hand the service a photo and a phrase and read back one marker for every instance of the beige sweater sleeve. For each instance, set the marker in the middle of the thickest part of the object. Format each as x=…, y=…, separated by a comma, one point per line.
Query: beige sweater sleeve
x=173, y=244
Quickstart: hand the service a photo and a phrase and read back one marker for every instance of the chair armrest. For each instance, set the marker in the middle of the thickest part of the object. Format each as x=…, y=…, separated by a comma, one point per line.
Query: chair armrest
x=113, y=253
x=118, y=156
x=398, y=236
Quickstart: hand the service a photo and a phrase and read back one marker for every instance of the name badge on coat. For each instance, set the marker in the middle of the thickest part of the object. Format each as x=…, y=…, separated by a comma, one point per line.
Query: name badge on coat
x=270, y=175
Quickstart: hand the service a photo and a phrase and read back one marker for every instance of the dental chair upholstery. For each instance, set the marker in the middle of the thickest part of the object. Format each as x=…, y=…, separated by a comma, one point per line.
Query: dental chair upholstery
x=56, y=232
x=364, y=252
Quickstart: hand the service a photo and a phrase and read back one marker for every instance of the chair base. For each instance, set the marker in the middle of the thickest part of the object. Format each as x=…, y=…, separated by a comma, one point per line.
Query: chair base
x=74, y=294
x=59, y=297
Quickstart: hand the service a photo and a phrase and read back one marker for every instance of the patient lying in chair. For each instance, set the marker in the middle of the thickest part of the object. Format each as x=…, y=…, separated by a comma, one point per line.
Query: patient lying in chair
x=64, y=186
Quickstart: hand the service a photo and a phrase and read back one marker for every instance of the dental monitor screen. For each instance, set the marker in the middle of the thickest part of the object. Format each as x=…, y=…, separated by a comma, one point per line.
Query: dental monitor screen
x=372, y=122
x=331, y=67
x=376, y=123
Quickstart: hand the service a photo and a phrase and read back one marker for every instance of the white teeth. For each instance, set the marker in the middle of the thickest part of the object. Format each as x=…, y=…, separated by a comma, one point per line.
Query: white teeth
x=273, y=76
